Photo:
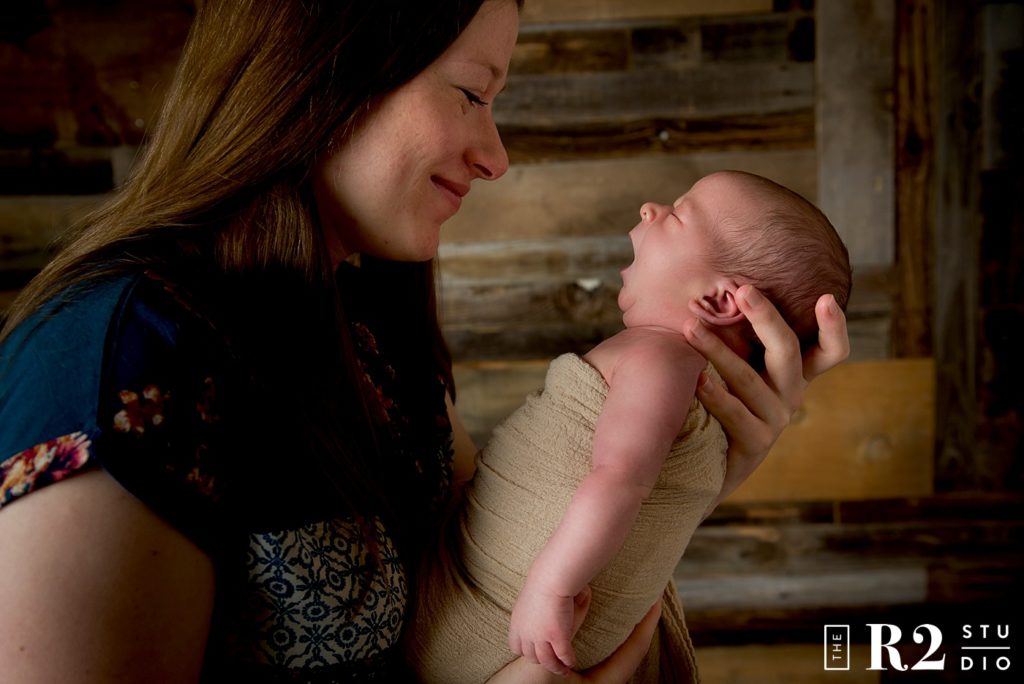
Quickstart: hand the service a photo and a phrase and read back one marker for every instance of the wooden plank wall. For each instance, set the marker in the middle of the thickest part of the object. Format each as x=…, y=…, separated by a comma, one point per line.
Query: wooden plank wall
x=842, y=523
x=639, y=101
x=615, y=102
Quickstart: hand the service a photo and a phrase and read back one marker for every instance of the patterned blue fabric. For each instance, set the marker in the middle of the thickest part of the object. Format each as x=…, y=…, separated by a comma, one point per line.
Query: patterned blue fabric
x=131, y=377
x=51, y=388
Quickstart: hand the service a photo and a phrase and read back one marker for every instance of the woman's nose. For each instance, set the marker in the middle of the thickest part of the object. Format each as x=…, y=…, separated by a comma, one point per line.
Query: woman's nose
x=488, y=157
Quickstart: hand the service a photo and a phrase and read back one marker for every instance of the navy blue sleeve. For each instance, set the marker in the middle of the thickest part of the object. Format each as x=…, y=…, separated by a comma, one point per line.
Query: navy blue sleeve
x=50, y=368
x=160, y=415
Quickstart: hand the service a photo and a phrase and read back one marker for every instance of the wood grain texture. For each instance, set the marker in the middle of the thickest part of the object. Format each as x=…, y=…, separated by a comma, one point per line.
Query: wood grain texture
x=915, y=175
x=777, y=573
x=716, y=89
x=603, y=197
x=854, y=87
x=30, y=225
x=540, y=297
x=548, y=11
x=88, y=73
x=865, y=430
x=779, y=664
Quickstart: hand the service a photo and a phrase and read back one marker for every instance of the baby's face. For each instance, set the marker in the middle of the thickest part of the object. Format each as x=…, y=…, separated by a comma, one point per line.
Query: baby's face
x=670, y=246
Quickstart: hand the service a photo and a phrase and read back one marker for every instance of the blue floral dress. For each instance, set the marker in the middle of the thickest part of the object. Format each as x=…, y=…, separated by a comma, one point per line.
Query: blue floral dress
x=129, y=377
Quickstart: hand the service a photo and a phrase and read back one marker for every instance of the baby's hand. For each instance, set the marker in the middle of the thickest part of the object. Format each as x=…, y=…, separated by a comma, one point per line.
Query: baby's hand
x=542, y=629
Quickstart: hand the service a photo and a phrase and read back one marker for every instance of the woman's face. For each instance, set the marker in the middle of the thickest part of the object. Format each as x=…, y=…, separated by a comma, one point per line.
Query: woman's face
x=403, y=172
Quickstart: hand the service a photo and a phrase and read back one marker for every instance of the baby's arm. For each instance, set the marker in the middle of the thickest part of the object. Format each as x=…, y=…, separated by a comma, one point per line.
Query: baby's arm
x=650, y=390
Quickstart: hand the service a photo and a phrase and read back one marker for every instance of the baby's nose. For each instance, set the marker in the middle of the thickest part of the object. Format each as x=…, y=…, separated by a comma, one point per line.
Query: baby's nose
x=648, y=212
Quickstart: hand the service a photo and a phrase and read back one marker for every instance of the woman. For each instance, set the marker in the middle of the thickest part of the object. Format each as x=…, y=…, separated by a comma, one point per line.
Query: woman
x=226, y=406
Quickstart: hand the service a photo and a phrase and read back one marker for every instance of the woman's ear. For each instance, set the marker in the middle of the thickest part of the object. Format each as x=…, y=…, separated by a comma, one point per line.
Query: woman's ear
x=718, y=307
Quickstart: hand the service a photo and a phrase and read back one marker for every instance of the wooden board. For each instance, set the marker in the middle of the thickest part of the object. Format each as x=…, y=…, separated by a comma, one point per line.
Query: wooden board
x=603, y=197
x=779, y=664
x=29, y=225
x=87, y=73
x=708, y=91
x=856, y=136
x=546, y=11
x=865, y=430
x=523, y=299
x=663, y=84
x=915, y=176
x=856, y=128
x=777, y=572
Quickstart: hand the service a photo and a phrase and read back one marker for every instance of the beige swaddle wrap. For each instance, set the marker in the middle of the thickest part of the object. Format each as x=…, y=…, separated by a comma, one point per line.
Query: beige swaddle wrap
x=525, y=478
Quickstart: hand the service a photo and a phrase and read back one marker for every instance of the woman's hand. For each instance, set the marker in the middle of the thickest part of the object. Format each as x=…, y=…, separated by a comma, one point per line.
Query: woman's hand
x=757, y=407
x=615, y=669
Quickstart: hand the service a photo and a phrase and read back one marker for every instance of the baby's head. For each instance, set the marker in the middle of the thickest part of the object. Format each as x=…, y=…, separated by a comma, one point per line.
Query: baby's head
x=733, y=228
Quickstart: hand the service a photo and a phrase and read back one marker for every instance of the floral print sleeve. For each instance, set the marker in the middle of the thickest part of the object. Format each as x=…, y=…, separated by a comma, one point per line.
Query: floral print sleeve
x=42, y=464
x=49, y=375
x=126, y=377
x=159, y=412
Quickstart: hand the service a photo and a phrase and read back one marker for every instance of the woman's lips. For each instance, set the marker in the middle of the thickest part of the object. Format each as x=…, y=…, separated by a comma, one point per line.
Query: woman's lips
x=452, y=190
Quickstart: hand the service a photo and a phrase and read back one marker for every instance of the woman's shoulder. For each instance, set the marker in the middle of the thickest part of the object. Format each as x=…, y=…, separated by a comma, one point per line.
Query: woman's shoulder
x=94, y=361
x=50, y=364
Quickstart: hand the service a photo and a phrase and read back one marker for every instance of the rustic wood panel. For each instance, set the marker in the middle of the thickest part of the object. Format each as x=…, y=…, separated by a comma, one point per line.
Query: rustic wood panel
x=788, y=590
x=47, y=171
x=958, y=222
x=762, y=547
x=866, y=430
x=603, y=197
x=768, y=576
x=716, y=89
x=1000, y=446
x=541, y=297
x=849, y=441
x=660, y=85
x=548, y=11
x=915, y=175
x=29, y=225
x=540, y=142
x=87, y=73
x=779, y=664
x=545, y=50
x=855, y=124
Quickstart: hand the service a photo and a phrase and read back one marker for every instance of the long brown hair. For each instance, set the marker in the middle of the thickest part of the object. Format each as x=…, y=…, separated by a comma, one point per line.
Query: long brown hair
x=223, y=183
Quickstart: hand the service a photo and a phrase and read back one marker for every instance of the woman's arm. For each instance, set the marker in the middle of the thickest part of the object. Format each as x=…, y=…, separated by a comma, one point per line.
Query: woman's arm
x=757, y=407
x=97, y=588
x=464, y=458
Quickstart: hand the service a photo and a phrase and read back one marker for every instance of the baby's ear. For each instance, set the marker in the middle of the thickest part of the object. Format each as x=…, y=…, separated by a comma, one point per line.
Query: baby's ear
x=718, y=307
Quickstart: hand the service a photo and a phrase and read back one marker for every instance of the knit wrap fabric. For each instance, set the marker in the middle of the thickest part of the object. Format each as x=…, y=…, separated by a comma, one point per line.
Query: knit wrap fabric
x=524, y=481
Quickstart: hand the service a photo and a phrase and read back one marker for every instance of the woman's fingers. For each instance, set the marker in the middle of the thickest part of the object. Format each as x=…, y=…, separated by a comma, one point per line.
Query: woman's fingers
x=783, y=365
x=755, y=408
x=736, y=417
x=547, y=657
x=620, y=665
x=833, y=341
x=752, y=399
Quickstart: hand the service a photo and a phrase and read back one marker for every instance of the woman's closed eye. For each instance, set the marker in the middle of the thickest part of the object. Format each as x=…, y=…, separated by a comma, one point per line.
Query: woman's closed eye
x=473, y=98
